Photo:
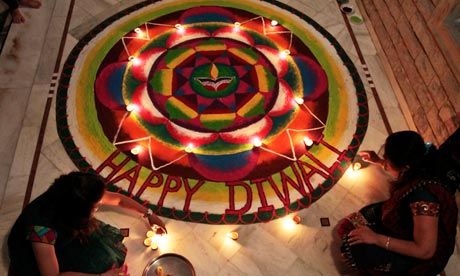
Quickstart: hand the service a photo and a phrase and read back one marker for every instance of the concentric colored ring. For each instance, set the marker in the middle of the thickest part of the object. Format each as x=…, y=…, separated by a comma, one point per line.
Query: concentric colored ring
x=250, y=173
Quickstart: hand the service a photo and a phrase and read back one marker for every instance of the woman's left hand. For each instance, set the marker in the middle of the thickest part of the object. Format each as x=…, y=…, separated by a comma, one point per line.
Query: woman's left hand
x=362, y=234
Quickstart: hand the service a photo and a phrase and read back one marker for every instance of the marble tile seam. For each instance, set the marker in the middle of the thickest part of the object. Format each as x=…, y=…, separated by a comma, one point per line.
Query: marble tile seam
x=378, y=80
x=21, y=162
x=80, y=30
x=21, y=123
x=38, y=145
x=11, y=166
x=363, y=62
x=42, y=22
x=47, y=34
x=5, y=86
x=46, y=66
x=96, y=8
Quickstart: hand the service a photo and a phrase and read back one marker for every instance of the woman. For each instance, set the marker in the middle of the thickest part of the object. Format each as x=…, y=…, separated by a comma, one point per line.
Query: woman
x=57, y=234
x=411, y=233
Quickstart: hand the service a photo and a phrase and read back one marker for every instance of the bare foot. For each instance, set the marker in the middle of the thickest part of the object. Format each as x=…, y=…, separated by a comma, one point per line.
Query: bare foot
x=17, y=16
x=35, y=4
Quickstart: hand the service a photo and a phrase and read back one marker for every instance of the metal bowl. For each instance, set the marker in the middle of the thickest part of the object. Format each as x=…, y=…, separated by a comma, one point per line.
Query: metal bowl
x=171, y=264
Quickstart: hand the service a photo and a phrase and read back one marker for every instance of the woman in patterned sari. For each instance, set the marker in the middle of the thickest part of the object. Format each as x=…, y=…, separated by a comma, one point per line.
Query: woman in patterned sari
x=57, y=233
x=411, y=233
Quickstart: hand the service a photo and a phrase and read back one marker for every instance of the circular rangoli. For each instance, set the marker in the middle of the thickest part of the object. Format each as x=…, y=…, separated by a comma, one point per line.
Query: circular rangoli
x=212, y=111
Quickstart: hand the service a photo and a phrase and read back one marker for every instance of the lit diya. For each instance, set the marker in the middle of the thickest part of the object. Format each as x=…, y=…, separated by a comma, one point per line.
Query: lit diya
x=155, y=237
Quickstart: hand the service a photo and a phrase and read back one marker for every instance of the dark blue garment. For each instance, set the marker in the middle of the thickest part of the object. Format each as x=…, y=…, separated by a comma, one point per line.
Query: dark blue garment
x=97, y=253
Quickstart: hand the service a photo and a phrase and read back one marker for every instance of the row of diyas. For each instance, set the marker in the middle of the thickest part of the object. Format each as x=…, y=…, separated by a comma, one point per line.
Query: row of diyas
x=256, y=142
x=157, y=238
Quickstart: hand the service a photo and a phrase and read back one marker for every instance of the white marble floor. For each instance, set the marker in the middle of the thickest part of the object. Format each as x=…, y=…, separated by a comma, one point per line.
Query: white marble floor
x=27, y=67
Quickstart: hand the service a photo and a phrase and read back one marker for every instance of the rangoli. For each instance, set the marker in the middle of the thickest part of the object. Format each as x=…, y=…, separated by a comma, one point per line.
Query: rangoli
x=212, y=111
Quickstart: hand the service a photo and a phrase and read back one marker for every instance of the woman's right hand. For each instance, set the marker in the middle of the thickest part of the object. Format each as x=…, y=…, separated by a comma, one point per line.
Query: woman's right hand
x=370, y=156
x=117, y=271
x=362, y=234
x=155, y=220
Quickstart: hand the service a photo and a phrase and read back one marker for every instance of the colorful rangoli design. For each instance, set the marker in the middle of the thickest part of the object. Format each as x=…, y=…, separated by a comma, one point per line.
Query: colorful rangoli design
x=212, y=112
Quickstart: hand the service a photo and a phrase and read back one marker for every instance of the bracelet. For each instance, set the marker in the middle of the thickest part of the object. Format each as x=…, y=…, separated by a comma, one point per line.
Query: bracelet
x=387, y=244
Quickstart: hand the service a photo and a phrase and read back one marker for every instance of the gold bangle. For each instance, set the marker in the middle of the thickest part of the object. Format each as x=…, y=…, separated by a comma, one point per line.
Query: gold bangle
x=387, y=244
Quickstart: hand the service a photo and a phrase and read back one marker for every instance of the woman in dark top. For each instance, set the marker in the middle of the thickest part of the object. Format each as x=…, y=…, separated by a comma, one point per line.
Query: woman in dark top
x=57, y=234
x=411, y=233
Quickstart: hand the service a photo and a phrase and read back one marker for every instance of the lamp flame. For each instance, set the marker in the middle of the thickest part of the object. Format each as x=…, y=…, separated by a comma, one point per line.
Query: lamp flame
x=256, y=142
x=180, y=28
x=299, y=100
x=136, y=150
x=283, y=54
x=308, y=142
x=189, y=148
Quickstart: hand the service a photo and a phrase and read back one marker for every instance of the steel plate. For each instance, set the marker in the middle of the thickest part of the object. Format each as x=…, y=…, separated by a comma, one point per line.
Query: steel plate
x=171, y=265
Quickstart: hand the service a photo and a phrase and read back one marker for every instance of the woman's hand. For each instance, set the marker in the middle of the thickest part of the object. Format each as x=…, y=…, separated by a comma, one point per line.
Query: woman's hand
x=117, y=271
x=154, y=220
x=116, y=199
x=370, y=156
x=362, y=234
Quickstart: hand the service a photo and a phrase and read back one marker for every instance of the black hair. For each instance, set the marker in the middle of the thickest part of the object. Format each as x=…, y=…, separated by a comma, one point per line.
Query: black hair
x=404, y=149
x=407, y=152
x=75, y=195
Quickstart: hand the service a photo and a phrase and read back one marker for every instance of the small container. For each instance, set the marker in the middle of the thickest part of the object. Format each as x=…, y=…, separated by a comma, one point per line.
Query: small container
x=347, y=9
x=154, y=245
x=357, y=165
x=148, y=242
x=233, y=235
x=170, y=263
x=297, y=219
